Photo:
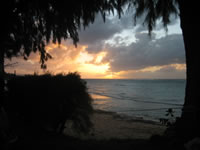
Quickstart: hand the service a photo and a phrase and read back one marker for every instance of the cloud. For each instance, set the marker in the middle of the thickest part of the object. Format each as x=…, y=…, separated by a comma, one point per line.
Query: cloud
x=99, y=30
x=147, y=52
x=96, y=35
x=174, y=71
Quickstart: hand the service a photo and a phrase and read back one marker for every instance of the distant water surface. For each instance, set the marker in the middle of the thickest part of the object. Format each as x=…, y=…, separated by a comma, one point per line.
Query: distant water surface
x=148, y=99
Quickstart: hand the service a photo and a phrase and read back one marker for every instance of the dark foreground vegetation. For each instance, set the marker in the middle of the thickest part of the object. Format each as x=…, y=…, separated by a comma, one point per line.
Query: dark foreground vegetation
x=42, y=104
x=61, y=142
x=46, y=101
x=54, y=141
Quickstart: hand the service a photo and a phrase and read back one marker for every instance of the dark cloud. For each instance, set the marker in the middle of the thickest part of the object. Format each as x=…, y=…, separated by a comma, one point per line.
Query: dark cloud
x=168, y=72
x=97, y=33
x=147, y=52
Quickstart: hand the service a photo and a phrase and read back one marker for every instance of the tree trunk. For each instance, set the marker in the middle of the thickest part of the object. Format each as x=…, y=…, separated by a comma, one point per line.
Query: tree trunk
x=190, y=28
x=1, y=77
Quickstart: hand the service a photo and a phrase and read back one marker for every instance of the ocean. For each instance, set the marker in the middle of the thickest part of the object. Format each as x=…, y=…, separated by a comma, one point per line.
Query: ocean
x=147, y=99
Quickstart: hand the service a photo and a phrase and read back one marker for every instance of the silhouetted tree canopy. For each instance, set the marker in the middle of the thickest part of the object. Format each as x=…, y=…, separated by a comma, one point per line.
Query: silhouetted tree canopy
x=56, y=99
x=154, y=10
x=28, y=25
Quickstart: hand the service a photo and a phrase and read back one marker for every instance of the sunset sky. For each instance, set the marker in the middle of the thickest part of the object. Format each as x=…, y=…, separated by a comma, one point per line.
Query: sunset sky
x=115, y=49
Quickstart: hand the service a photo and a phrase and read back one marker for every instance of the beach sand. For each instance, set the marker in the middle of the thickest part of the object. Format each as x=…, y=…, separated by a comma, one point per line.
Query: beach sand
x=109, y=125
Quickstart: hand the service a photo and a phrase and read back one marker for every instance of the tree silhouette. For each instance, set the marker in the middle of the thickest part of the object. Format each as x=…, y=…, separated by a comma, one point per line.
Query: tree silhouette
x=162, y=9
x=29, y=25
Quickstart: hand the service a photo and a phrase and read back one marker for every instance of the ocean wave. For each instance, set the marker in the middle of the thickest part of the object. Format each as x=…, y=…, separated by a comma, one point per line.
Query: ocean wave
x=133, y=99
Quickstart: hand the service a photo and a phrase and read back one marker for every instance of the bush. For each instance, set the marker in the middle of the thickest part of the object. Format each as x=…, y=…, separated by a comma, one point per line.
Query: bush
x=48, y=101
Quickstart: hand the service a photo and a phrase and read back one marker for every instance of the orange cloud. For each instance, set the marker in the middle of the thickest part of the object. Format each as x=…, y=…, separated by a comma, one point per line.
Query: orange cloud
x=179, y=66
x=157, y=68
x=67, y=58
x=91, y=65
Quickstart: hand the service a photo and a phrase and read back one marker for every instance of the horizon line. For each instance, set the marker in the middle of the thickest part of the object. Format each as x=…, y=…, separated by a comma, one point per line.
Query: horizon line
x=107, y=78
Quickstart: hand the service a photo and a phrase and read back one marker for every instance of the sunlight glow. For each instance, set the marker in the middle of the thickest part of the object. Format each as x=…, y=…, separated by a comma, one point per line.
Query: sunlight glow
x=51, y=47
x=94, y=69
x=92, y=63
x=80, y=60
x=100, y=57
x=179, y=66
x=84, y=57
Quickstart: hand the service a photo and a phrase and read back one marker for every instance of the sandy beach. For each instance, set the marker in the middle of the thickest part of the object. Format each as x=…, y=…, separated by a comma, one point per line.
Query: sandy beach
x=109, y=125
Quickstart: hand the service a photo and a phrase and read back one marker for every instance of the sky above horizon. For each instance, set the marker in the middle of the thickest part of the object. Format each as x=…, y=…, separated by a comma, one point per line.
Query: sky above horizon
x=115, y=49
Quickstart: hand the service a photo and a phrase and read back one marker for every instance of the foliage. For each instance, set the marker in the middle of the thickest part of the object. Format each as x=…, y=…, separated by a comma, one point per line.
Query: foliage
x=170, y=112
x=29, y=25
x=171, y=118
x=48, y=101
x=154, y=10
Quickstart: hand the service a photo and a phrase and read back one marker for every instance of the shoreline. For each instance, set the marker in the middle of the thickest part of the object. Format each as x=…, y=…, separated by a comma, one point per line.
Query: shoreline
x=124, y=117
x=110, y=125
